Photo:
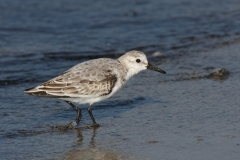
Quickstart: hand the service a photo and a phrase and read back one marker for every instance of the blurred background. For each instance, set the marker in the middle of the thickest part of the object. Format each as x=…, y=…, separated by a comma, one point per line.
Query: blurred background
x=192, y=110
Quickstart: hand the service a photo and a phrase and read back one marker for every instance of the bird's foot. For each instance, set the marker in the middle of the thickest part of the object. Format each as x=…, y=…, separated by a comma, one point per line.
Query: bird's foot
x=72, y=124
x=96, y=125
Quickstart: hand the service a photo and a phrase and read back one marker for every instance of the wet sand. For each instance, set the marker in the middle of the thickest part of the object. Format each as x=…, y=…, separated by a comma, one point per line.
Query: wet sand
x=192, y=112
x=179, y=118
x=173, y=116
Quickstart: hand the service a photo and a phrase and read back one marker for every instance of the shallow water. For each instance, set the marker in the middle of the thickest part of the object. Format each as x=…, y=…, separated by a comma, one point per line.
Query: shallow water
x=185, y=114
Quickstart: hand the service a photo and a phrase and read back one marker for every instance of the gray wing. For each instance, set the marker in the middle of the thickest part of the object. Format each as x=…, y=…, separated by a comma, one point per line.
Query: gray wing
x=91, y=78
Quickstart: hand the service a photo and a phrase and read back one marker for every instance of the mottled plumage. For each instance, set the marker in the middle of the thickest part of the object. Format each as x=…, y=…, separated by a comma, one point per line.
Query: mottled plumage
x=91, y=78
x=93, y=81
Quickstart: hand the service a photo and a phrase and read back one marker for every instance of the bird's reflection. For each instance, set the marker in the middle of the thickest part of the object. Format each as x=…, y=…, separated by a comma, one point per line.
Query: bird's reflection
x=80, y=137
x=92, y=143
x=92, y=151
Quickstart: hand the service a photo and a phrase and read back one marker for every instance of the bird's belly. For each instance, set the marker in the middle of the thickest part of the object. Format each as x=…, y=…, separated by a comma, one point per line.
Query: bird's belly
x=85, y=100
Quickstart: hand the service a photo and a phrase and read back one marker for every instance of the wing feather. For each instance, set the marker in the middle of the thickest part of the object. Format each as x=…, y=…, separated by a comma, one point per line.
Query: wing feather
x=79, y=81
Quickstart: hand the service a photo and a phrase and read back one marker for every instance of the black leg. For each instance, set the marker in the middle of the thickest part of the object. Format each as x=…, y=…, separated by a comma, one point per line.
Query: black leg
x=90, y=113
x=79, y=112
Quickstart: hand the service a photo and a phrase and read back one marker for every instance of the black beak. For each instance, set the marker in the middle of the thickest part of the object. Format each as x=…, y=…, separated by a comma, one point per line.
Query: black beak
x=152, y=67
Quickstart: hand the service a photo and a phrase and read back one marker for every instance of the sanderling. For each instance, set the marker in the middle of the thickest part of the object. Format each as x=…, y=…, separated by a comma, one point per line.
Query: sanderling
x=93, y=81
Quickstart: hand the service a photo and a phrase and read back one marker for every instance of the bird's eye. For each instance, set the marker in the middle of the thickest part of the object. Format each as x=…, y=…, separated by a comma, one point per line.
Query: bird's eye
x=138, y=60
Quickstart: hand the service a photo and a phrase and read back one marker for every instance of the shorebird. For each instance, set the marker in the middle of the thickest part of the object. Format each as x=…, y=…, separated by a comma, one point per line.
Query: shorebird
x=93, y=81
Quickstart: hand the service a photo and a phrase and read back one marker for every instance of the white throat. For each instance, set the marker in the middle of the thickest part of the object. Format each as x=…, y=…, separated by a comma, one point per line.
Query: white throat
x=131, y=72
